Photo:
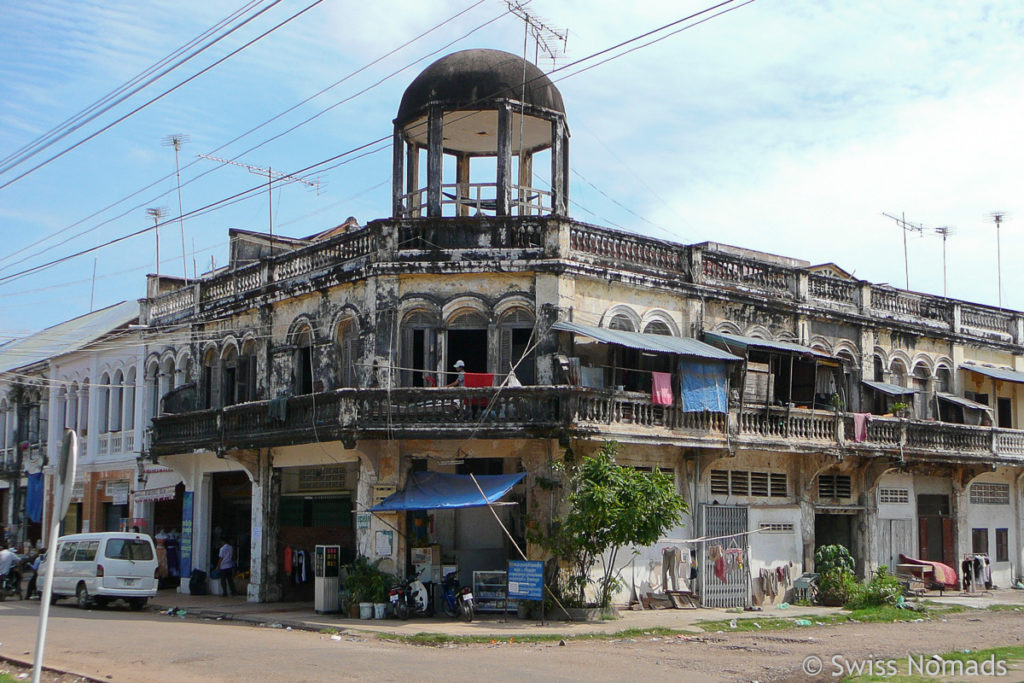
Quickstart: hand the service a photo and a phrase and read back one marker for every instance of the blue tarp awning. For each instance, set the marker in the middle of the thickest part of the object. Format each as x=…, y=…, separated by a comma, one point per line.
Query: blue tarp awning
x=437, y=491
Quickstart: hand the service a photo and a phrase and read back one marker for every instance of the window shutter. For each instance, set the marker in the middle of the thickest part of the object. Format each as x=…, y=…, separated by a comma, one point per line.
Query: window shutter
x=505, y=351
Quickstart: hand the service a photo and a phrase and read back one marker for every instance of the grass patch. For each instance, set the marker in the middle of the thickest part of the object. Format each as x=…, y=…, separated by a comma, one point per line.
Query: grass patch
x=1010, y=654
x=863, y=616
x=1005, y=608
x=446, y=639
x=328, y=631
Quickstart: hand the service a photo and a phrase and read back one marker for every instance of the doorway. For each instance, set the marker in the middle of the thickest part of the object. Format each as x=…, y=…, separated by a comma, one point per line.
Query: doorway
x=935, y=528
x=833, y=530
x=469, y=346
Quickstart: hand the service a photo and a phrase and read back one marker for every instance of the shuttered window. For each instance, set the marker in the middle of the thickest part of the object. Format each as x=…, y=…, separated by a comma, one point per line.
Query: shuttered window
x=834, y=486
x=746, y=483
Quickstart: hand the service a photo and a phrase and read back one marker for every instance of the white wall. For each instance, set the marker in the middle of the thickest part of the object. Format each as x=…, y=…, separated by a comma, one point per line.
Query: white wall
x=992, y=517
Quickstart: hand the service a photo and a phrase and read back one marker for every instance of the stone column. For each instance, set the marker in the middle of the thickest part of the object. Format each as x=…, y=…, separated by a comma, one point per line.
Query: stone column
x=266, y=495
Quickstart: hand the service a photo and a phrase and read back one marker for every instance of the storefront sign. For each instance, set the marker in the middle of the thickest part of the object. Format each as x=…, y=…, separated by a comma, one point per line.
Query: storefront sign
x=153, y=495
x=525, y=580
x=362, y=520
x=383, y=542
x=185, y=545
x=118, y=491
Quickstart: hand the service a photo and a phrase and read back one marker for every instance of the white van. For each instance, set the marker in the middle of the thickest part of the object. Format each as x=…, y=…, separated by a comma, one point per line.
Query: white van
x=102, y=567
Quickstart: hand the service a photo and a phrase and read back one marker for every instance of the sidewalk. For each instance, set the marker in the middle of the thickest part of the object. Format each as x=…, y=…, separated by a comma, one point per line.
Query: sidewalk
x=301, y=616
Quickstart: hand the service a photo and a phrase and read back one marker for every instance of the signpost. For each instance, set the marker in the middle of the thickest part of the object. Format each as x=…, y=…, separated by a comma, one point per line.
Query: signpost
x=526, y=582
x=64, y=484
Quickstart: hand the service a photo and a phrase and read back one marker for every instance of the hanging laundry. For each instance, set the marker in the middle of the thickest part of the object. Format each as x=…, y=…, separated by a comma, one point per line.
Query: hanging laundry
x=720, y=568
x=661, y=391
x=860, y=426
x=287, y=560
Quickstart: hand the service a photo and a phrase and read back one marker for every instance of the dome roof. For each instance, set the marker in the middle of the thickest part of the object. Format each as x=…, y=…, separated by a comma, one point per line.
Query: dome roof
x=475, y=79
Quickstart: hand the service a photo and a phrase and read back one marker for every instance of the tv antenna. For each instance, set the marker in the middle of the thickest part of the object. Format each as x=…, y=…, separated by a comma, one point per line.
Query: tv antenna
x=998, y=217
x=176, y=140
x=271, y=175
x=944, y=231
x=550, y=41
x=156, y=213
x=901, y=221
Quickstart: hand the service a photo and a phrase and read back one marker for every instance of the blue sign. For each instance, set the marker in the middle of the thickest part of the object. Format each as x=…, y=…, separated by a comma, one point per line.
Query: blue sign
x=525, y=580
x=185, y=547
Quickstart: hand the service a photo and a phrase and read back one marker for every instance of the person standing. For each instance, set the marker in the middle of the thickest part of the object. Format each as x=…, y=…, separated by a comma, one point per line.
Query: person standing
x=226, y=567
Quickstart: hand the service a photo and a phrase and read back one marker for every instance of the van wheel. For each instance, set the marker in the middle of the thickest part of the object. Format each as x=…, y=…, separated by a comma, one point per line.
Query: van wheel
x=136, y=604
x=54, y=598
x=82, y=593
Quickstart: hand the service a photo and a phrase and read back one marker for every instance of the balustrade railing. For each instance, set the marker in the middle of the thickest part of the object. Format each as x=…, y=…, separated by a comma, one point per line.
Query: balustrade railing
x=129, y=441
x=825, y=288
x=180, y=300
x=116, y=442
x=986, y=321
x=717, y=267
x=798, y=424
x=103, y=444
x=626, y=249
x=898, y=302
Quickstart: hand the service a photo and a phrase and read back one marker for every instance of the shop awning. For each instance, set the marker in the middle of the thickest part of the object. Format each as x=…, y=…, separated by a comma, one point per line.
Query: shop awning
x=153, y=495
x=890, y=389
x=658, y=343
x=437, y=491
x=737, y=341
x=997, y=373
x=964, y=402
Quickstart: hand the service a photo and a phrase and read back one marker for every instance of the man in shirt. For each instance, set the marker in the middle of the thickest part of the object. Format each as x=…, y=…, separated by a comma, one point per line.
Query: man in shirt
x=226, y=566
x=460, y=378
x=8, y=559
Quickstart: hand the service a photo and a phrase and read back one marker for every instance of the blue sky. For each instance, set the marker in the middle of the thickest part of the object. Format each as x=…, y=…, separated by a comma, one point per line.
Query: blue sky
x=787, y=127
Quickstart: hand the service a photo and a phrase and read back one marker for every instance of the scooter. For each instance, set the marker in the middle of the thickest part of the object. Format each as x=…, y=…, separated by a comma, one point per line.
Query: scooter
x=10, y=585
x=411, y=598
x=456, y=600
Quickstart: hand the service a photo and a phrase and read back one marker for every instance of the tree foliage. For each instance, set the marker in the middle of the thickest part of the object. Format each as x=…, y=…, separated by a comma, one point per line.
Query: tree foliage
x=610, y=506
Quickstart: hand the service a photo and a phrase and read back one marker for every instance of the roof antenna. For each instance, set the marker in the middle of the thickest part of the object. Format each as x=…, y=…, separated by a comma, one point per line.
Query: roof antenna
x=901, y=221
x=998, y=217
x=156, y=213
x=945, y=231
x=176, y=140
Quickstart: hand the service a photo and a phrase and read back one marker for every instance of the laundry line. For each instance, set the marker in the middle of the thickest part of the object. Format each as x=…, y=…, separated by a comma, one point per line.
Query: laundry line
x=707, y=539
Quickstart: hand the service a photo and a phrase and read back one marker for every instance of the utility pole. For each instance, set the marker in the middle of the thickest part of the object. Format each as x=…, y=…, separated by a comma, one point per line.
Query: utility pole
x=945, y=231
x=271, y=177
x=176, y=140
x=907, y=227
x=156, y=213
x=998, y=217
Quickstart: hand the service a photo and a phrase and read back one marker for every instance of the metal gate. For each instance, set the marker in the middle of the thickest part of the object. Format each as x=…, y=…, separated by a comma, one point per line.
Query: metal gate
x=722, y=520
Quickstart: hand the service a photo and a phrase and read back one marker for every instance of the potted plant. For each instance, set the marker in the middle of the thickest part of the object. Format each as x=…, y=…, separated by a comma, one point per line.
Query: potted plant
x=368, y=585
x=899, y=408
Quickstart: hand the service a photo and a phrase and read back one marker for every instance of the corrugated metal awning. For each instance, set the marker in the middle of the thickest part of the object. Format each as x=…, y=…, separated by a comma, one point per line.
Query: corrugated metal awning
x=735, y=340
x=998, y=373
x=659, y=343
x=890, y=389
x=964, y=402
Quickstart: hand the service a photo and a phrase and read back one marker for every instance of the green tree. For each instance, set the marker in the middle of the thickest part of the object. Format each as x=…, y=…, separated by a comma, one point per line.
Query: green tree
x=610, y=506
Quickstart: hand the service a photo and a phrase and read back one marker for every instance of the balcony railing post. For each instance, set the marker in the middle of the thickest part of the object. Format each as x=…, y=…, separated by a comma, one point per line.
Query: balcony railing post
x=801, y=286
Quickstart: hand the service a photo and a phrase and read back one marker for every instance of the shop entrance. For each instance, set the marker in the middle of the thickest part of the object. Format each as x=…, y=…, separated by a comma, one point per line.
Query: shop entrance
x=833, y=530
x=935, y=528
x=230, y=515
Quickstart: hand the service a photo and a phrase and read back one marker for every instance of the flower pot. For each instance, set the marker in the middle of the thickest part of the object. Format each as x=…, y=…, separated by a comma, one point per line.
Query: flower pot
x=380, y=610
x=366, y=610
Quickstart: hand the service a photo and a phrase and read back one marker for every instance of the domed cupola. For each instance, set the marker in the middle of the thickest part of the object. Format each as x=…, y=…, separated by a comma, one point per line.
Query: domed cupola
x=480, y=105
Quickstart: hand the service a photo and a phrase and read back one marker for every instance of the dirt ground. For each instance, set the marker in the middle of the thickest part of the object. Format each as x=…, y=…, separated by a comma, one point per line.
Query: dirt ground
x=119, y=645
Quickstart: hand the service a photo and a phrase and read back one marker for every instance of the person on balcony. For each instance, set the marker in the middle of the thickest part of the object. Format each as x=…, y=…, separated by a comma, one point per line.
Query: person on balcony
x=460, y=378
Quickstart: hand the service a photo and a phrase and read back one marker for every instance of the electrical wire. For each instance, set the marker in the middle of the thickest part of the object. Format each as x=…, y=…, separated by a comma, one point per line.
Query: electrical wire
x=100, y=107
x=161, y=95
x=232, y=141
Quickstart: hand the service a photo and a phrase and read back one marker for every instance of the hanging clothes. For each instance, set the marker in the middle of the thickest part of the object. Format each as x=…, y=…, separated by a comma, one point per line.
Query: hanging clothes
x=661, y=388
x=287, y=559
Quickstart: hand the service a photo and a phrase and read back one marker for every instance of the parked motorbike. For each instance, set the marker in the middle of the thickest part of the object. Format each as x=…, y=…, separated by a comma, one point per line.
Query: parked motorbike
x=455, y=599
x=10, y=585
x=411, y=598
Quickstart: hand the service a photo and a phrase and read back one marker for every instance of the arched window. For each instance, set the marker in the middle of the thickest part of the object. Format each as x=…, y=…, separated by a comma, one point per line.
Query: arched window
x=304, y=362
x=419, y=350
x=103, y=403
x=517, y=346
x=83, y=408
x=350, y=352
x=62, y=408
x=3, y=429
x=71, y=408
x=922, y=397
x=944, y=380
x=116, y=401
x=246, y=377
x=899, y=373
x=129, y=401
x=621, y=321
x=207, y=388
x=658, y=327
x=466, y=340
x=166, y=377
x=878, y=373
x=153, y=389
x=229, y=376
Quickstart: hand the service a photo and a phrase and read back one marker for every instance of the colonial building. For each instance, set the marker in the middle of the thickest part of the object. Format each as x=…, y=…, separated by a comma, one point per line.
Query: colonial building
x=299, y=386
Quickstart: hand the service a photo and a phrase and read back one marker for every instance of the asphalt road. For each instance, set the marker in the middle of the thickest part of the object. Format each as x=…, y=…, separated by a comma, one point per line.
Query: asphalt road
x=118, y=645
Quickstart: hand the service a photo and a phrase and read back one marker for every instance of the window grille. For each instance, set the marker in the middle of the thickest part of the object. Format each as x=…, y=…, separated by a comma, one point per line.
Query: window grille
x=990, y=494
x=776, y=527
x=834, y=486
x=893, y=495
x=745, y=483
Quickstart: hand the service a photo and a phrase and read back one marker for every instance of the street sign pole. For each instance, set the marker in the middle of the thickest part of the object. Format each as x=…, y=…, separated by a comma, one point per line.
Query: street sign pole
x=65, y=481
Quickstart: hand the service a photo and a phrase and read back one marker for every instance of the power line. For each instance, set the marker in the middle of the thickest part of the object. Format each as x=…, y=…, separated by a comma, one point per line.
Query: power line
x=65, y=127
x=243, y=194
x=249, y=132
x=163, y=94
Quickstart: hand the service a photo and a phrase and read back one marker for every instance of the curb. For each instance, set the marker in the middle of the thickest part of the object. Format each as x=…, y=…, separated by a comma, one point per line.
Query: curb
x=252, y=620
x=51, y=669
